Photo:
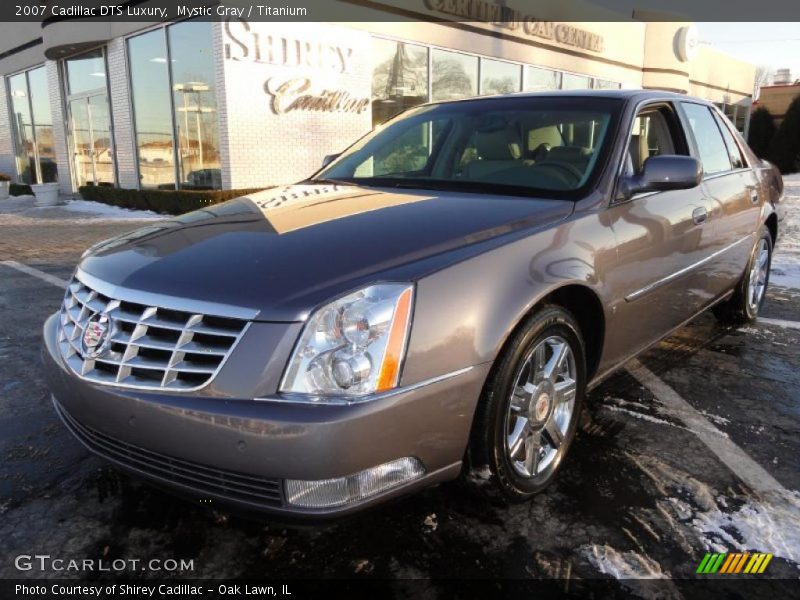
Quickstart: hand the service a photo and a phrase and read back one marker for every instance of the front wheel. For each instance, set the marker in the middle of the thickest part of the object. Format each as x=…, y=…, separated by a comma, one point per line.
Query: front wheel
x=529, y=410
x=751, y=290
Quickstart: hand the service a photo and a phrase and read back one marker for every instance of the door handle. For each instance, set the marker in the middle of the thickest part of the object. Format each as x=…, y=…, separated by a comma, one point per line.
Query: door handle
x=699, y=215
x=754, y=196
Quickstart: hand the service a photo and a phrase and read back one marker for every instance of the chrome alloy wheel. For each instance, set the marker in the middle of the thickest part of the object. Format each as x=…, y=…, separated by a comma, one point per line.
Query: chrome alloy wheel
x=541, y=407
x=758, y=276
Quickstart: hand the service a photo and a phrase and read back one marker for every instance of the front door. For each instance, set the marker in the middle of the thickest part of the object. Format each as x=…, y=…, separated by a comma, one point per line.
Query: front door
x=92, y=149
x=661, y=241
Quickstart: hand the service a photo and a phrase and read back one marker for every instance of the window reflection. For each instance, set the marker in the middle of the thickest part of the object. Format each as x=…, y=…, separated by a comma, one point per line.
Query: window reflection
x=147, y=55
x=33, y=127
x=537, y=80
x=499, y=77
x=43, y=125
x=454, y=75
x=399, y=78
x=86, y=72
x=195, y=105
x=570, y=81
x=604, y=84
x=175, y=107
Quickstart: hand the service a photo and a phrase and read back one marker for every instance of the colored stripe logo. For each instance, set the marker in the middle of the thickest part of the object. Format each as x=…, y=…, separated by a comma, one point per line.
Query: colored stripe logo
x=734, y=563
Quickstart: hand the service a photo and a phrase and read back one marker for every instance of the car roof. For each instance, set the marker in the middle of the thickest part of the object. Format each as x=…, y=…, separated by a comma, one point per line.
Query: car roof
x=635, y=95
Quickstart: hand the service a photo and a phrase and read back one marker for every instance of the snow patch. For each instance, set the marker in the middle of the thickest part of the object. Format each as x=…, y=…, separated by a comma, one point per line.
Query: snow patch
x=109, y=212
x=622, y=565
x=638, y=415
x=99, y=210
x=725, y=522
x=771, y=525
x=715, y=418
x=785, y=269
x=629, y=568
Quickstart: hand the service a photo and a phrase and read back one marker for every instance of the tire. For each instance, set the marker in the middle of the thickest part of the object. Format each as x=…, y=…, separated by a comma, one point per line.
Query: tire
x=523, y=440
x=750, y=292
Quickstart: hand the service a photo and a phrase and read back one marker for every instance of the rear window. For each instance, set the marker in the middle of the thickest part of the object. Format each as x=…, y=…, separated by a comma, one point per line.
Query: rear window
x=713, y=151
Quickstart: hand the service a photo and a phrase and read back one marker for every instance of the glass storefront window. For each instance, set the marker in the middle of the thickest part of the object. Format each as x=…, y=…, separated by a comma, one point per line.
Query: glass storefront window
x=147, y=57
x=454, y=75
x=537, y=80
x=23, y=128
x=399, y=78
x=43, y=125
x=195, y=105
x=742, y=115
x=604, y=84
x=570, y=81
x=33, y=127
x=175, y=107
x=86, y=72
x=500, y=77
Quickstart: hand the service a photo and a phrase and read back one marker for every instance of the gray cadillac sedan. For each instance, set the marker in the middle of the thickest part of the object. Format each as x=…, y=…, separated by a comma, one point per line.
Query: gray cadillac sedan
x=434, y=303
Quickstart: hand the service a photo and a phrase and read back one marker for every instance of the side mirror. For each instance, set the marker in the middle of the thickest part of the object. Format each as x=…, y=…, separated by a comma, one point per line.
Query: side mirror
x=662, y=173
x=329, y=158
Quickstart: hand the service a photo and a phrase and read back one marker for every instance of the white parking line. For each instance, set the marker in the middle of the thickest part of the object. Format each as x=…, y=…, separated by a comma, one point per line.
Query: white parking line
x=748, y=470
x=52, y=279
x=779, y=323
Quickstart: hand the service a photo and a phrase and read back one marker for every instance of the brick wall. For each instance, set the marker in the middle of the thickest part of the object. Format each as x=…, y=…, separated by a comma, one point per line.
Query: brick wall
x=57, y=112
x=121, y=115
x=7, y=163
x=260, y=147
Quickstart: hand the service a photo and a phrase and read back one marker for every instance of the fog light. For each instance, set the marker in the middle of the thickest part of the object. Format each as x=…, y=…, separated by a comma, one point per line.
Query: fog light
x=324, y=493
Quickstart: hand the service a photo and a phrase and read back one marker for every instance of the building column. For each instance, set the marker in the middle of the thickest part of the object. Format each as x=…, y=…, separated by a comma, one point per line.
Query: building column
x=222, y=105
x=121, y=115
x=60, y=127
x=7, y=161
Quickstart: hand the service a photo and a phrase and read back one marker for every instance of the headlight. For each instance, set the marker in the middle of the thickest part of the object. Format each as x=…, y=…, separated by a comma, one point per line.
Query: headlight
x=353, y=346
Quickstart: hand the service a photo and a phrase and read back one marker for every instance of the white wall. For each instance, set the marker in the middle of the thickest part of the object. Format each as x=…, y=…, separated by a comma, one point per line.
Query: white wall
x=57, y=109
x=260, y=147
x=7, y=164
x=125, y=150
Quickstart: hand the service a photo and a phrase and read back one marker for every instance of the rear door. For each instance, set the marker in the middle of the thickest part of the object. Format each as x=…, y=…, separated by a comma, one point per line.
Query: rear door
x=661, y=238
x=733, y=189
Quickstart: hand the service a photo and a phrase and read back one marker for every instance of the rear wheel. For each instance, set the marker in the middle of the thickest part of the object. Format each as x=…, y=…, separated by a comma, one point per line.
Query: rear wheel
x=529, y=410
x=751, y=290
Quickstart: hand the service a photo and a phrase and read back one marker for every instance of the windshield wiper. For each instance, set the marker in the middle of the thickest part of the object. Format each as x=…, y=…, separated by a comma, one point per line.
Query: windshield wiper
x=329, y=181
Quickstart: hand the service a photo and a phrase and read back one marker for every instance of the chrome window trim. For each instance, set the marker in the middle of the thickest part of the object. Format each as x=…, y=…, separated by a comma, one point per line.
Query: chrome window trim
x=309, y=400
x=719, y=174
x=673, y=276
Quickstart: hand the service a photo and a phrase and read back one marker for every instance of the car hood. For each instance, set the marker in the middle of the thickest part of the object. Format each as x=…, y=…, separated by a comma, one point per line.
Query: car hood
x=286, y=250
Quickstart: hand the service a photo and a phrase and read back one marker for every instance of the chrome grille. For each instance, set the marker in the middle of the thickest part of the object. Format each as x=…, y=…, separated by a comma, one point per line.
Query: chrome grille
x=148, y=346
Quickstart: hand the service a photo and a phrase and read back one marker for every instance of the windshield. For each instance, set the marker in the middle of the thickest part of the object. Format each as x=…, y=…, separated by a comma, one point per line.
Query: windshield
x=547, y=146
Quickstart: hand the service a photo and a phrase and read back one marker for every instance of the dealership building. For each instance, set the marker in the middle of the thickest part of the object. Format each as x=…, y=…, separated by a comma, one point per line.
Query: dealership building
x=240, y=104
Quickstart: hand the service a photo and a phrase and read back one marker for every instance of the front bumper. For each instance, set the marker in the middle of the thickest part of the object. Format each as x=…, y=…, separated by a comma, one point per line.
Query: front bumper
x=239, y=451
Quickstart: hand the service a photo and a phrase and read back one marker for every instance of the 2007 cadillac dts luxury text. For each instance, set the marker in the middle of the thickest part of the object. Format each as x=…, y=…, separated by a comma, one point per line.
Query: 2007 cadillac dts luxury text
x=433, y=303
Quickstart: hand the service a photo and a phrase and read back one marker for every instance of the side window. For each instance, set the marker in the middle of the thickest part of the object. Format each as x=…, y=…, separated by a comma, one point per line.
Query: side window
x=651, y=136
x=712, y=148
x=734, y=152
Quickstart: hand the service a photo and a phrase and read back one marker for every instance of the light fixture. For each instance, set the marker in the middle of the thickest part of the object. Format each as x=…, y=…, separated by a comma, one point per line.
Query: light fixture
x=340, y=491
x=352, y=346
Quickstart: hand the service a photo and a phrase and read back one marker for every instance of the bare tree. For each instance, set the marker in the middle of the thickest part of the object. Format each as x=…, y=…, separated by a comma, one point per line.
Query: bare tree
x=763, y=77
